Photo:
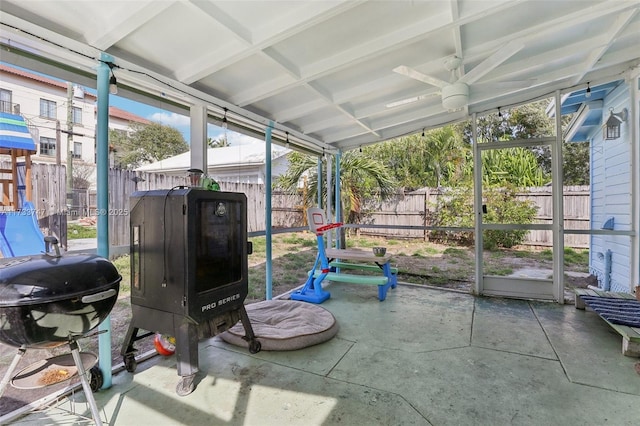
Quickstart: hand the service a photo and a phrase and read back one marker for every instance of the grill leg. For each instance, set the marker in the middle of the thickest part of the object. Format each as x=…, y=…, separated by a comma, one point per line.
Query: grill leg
x=88, y=393
x=7, y=376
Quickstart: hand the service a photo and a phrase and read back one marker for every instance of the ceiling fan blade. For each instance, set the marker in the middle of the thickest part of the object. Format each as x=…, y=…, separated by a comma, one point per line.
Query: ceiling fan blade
x=410, y=100
x=416, y=75
x=491, y=62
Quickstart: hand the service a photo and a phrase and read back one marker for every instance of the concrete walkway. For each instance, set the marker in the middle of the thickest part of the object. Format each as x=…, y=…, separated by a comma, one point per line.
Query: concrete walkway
x=422, y=357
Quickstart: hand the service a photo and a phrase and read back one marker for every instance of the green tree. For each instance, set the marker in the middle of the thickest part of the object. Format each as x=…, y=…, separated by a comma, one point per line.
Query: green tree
x=434, y=159
x=361, y=177
x=576, y=163
x=145, y=144
x=521, y=122
x=445, y=155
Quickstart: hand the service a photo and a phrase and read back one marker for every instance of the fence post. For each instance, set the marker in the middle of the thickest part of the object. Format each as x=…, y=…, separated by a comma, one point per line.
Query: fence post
x=424, y=221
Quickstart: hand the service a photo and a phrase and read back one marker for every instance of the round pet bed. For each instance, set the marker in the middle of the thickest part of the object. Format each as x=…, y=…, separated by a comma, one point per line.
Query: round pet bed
x=285, y=325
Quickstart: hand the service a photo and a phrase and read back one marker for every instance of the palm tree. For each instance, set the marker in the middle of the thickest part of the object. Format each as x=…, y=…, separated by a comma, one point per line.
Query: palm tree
x=445, y=153
x=361, y=178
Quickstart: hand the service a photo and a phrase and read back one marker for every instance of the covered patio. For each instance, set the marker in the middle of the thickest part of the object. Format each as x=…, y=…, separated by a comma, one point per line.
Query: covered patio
x=421, y=357
x=332, y=76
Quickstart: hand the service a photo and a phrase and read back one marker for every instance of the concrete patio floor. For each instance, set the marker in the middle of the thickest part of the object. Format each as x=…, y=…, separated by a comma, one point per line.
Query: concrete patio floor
x=422, y=357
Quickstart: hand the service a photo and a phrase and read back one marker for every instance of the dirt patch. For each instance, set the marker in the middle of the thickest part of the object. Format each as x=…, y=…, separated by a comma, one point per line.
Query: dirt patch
x=418, y=262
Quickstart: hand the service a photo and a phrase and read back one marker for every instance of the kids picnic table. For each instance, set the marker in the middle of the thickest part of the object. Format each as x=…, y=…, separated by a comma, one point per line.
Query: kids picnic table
x=330, y=264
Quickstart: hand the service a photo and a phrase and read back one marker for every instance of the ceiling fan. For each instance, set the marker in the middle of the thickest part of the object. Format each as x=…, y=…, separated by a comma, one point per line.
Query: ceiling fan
x=455, y=93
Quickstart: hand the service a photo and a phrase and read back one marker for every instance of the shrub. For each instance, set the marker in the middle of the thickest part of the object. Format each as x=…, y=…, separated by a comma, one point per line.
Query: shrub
x=455, y=209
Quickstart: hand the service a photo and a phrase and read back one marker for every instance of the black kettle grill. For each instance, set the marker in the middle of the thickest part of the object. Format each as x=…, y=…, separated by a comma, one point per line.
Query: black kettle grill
x=47, y=300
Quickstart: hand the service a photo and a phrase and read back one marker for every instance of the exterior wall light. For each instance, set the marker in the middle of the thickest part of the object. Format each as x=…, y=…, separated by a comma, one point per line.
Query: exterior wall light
x=612, y=126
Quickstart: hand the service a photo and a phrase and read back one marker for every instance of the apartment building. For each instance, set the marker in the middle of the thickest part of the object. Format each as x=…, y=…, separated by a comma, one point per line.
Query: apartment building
x=61, y=119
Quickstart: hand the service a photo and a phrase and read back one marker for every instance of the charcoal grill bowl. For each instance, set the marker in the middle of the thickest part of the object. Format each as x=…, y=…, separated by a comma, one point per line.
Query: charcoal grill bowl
x=45, y=300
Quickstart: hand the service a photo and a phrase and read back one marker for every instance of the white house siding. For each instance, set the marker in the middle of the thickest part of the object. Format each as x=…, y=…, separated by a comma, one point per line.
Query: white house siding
x=27, y=91
x=254, y=173
x=611, y=194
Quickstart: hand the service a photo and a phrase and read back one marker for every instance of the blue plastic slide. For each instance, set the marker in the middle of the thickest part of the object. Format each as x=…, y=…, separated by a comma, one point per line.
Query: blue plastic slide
x=20, y=234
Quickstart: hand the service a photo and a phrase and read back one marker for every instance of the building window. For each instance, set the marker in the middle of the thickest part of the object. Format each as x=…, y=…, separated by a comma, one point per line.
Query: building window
x=77, y=115
x=77, y=150
x=47, y=146
x=5, y=101
x=47, y=109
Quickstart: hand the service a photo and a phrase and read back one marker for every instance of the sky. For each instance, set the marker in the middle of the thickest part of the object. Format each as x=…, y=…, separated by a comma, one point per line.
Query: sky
x=180, y=122
x=158, y=115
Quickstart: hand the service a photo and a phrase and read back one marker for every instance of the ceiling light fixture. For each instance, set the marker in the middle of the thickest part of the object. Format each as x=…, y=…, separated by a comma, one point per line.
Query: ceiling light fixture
x=612, y=126
x=587, y=94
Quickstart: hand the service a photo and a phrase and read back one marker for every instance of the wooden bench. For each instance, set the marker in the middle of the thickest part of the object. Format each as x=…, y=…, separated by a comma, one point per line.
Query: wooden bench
x=630, y=335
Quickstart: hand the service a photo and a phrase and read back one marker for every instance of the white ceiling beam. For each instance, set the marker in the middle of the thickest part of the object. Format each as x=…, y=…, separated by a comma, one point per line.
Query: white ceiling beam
x=345, y=58
x=298, y=111
x=343, y=110
x=536, y=61
x=284, y=62
x=606, y=41
x=318, y=125
x=224, y=19
x=137, y=14
x=548, y=28
x=302, y=18
x=371, y=49
x=29, y=37
x=256, y=42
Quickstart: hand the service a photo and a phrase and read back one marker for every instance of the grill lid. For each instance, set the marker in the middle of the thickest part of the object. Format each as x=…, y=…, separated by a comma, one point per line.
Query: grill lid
x=44, y=278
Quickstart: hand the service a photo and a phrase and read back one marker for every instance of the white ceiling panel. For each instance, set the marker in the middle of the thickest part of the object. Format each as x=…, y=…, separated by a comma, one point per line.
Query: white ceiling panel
x=334, y=74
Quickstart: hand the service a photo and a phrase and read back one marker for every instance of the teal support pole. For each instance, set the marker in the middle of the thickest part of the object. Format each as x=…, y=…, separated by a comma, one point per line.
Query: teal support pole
x=319, y=185
x=338, y=202
x=267, y=205
x=102, y=170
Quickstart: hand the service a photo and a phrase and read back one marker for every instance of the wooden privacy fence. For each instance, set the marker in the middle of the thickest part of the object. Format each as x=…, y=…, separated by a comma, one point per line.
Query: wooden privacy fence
x=416, y=209
x=413, y=209
x=286, y=209
x=576, y=215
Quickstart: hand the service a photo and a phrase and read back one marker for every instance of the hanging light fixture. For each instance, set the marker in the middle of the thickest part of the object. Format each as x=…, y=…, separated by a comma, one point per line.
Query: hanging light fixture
x=423, y=132
x=113, y=83
x=225, y=124
x=612, y=126
x=587, y=94
x=287, y=142
x=499, y=113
